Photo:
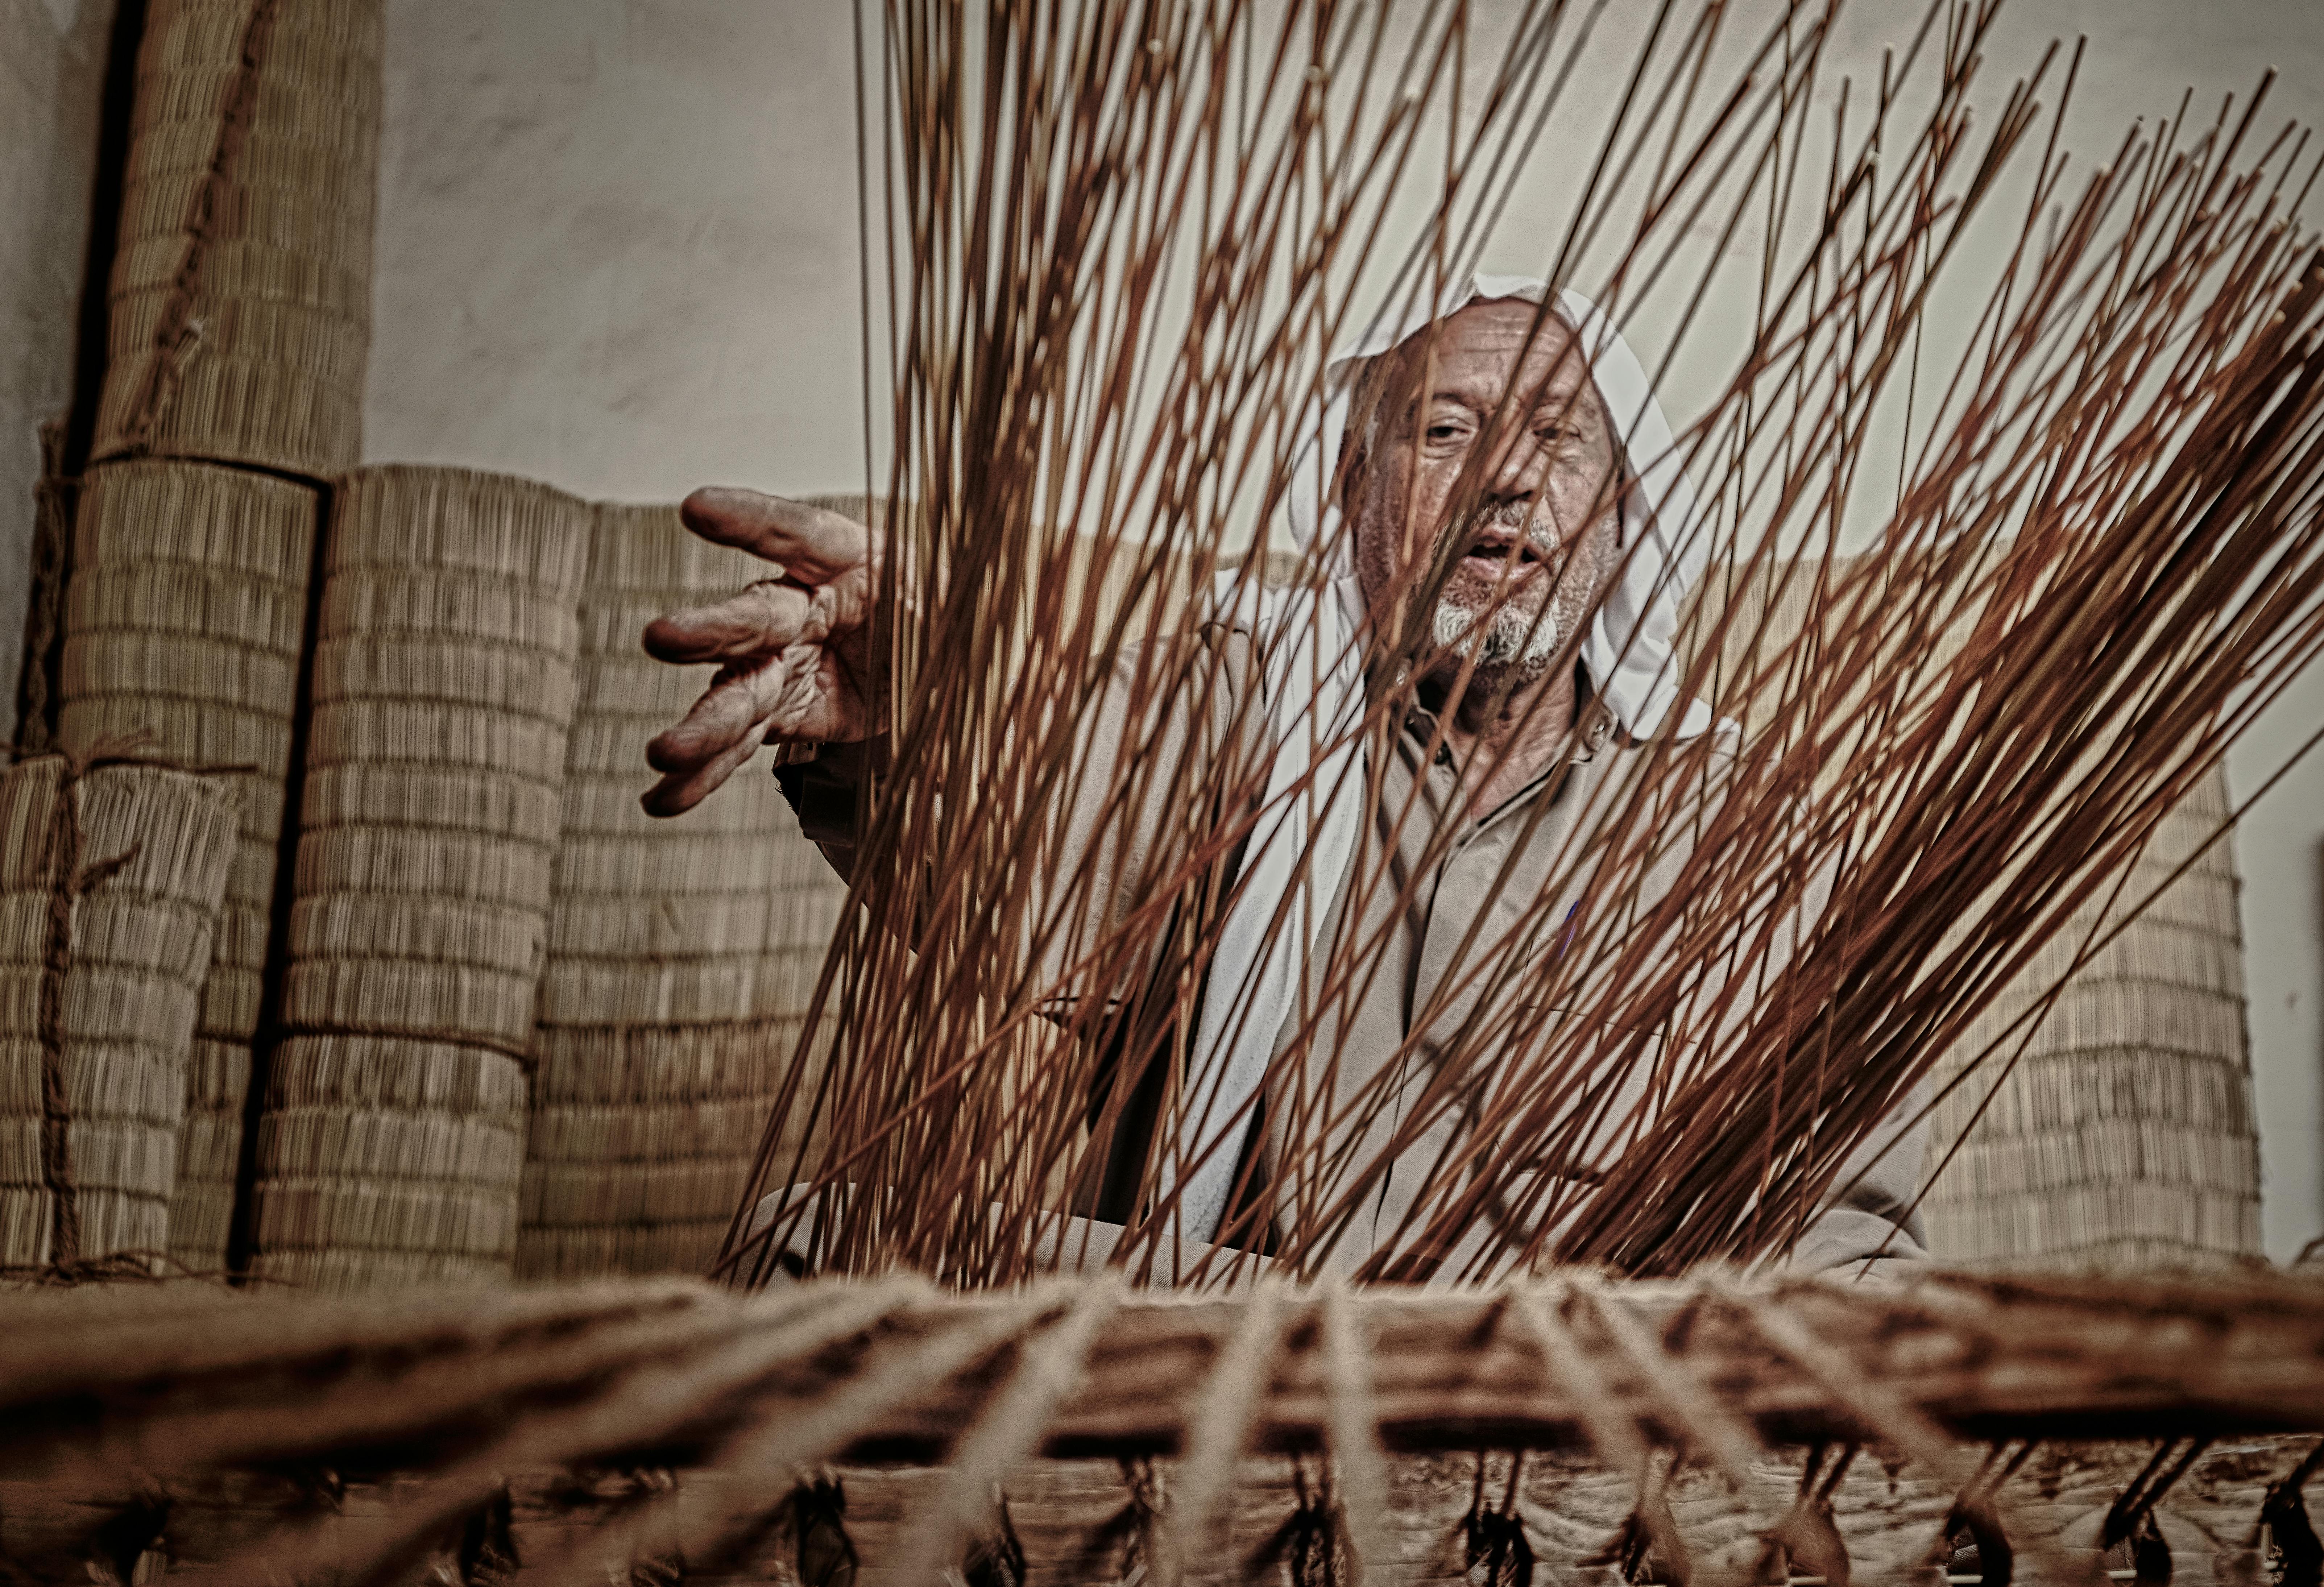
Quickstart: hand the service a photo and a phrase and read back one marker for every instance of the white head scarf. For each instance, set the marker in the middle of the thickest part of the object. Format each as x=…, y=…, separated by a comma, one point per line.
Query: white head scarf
x=1311, y=666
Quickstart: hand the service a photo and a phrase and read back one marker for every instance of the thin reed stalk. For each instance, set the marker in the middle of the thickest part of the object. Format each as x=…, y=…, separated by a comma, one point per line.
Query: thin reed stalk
x=1125, y=242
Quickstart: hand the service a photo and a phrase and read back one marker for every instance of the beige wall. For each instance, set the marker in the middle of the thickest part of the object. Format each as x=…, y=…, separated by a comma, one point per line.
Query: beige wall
x=617, y=244
x=618, y=253
x=51, y=66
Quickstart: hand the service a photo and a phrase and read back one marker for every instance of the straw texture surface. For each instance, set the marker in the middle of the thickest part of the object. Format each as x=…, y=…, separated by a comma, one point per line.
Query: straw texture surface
x=241, y=295
x=184, y=619
x=109, y=893
x=2124, y=1135
x=393, y=1134
x=681, y=953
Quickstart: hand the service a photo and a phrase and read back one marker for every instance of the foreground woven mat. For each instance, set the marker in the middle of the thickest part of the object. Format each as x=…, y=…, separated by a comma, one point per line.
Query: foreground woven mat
x=1563, y=1431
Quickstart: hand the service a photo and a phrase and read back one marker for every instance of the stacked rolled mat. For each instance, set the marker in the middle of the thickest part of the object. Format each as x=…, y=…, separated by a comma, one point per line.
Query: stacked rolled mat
x=184, y=620
x=681, y=953
x=2124, y=1136
x=393, y=1140
x=110, y=880
x=241, y=293
x=240, y=326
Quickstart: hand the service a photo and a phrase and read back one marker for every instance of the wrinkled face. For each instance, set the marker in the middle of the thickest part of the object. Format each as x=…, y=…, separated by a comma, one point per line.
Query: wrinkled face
x=1539, y=542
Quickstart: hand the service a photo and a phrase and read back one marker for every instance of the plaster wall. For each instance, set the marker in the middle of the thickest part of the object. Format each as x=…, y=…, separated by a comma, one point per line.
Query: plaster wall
x=52, y=55
x=618, y=251
x=617, y=245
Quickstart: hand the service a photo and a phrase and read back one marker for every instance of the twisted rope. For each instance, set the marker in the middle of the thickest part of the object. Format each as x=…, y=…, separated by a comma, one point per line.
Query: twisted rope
x=1219, y=1426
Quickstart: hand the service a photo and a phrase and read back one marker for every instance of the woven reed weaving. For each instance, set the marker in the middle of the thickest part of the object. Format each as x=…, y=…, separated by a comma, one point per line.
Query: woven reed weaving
x=144, y=854
x=393, y=1135
x=183, y=619
x=241, y=292
x=681, y=953
x=2124, y=1136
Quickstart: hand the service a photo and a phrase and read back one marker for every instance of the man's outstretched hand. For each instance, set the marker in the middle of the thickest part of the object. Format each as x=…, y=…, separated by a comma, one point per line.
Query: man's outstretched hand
x=794, y=651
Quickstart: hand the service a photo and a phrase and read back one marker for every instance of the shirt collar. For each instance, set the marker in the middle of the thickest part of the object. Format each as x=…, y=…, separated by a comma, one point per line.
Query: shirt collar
x=1594, y=727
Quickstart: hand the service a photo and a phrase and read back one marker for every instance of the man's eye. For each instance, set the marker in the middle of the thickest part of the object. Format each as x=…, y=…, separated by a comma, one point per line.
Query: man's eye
x=1444, y=432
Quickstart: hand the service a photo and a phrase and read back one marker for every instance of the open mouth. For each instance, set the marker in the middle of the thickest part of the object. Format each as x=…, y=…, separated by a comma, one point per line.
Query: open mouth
x=1510, y=556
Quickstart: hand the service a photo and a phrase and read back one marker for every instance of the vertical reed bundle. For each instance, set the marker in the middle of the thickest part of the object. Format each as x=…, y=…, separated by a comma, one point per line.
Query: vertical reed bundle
x=393, y=1135
x=184, y=619
x=241, y=295
x=680, y=958
x=110, y=880
x=2121, y=1134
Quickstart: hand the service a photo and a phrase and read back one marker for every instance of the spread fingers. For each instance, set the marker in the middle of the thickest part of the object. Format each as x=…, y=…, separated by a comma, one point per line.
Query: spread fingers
x=757, y=622
x=811, y=545
x=679, y=792
x=740, y=700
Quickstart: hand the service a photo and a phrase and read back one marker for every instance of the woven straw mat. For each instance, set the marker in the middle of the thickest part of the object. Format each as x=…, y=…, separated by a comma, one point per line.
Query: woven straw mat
x=681, y=953
x=393, y=1135
x=241, y=292
x=154, y=849
x=184, y=619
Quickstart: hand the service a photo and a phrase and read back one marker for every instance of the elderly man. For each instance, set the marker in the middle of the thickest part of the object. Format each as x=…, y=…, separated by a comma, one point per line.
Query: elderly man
x=1494, y=425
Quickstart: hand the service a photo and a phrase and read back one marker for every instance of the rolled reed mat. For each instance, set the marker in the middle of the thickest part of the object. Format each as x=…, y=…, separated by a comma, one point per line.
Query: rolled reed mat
x=681, y=953
x=241, y=292
x=110, y=883
x=393, y=1134
x=184, y=619
x=2126, y=1135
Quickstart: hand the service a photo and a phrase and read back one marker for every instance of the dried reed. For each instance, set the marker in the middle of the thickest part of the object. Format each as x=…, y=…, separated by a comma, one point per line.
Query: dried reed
x=2125, y=1147
x=1125, y=242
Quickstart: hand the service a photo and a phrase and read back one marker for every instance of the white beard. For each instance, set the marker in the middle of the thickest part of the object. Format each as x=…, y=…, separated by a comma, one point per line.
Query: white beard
x=1511, y=638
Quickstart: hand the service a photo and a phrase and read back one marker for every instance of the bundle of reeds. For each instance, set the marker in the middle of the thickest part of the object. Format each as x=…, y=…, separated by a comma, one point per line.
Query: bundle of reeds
x=664, y=1431
x=2115, y=1126
x=111, y=873
x=2112, y=496
x=394, y=1133
x=184, y=620
x=241, y=293
x=680, y=960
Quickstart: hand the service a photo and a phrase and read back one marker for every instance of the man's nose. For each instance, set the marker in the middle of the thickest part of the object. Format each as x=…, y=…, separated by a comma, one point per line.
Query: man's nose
x=1520, y=470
